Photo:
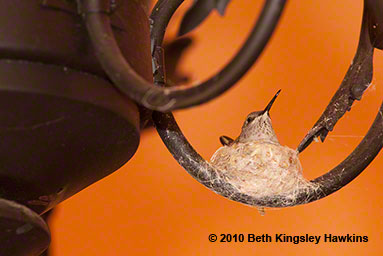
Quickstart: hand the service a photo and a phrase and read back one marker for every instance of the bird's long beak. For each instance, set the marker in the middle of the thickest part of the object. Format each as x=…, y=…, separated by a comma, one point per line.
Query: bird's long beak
x=268, y=107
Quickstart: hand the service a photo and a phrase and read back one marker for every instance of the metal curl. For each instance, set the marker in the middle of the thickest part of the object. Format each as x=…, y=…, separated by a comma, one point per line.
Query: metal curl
x=96, y=16
x=358, y=76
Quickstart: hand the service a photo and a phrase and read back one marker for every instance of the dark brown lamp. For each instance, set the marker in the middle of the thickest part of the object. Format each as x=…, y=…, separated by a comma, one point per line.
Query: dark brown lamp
x=63, y=125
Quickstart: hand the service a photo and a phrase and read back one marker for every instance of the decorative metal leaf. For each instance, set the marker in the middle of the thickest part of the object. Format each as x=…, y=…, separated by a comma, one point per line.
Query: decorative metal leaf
x=199, y=12
x=221, y=6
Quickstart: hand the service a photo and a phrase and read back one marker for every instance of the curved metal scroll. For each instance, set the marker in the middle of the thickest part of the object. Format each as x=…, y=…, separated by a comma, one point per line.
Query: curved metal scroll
x=328, y=183
x=96, y=16
x=23, y=232
x=358, y=76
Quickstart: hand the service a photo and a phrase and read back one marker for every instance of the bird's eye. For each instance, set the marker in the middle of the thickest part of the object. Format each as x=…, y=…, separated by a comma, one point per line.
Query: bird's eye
x=249, y=119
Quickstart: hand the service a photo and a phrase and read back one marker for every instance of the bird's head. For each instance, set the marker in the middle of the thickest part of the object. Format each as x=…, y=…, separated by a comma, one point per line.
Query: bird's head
x=258, y=125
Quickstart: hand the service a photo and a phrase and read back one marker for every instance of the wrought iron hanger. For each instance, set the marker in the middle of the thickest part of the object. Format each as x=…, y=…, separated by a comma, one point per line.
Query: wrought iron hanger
x=356, y=81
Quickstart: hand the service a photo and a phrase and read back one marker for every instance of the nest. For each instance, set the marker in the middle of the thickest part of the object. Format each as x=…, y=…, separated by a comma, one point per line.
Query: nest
x=262, y=170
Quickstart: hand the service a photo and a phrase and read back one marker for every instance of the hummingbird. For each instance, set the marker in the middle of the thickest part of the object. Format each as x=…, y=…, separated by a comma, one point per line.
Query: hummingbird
x=255, y=127
x=255, y=163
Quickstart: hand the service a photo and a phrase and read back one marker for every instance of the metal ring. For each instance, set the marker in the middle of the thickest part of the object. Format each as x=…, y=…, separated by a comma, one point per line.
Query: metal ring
x=328, y=183
x=130, y=83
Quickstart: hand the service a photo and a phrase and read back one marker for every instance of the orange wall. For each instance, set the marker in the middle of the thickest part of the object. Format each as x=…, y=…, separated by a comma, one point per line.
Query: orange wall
x=151, y=206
